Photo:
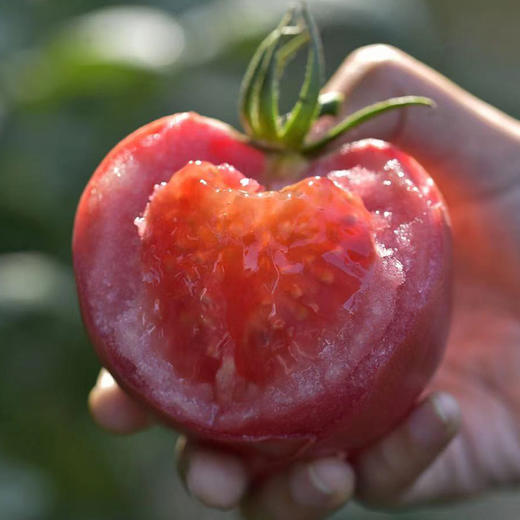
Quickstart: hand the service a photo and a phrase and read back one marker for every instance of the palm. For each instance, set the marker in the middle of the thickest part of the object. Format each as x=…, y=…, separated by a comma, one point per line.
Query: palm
x=482, y=361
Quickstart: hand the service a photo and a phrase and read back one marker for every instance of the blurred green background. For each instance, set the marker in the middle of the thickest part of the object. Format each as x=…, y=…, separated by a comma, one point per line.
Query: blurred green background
x=75, y=77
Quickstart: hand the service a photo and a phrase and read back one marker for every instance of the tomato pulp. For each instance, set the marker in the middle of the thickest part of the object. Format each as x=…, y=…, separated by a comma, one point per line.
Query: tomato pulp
x=244, y=282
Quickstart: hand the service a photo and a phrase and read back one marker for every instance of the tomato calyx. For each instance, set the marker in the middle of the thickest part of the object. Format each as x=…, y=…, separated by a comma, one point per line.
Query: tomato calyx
x=260, y=114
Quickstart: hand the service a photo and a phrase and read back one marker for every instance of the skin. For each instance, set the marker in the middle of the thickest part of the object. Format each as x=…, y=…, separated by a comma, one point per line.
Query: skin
x=463, y=437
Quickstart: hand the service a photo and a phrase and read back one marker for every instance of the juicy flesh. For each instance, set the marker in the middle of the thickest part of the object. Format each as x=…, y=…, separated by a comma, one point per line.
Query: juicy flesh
x=242, y=281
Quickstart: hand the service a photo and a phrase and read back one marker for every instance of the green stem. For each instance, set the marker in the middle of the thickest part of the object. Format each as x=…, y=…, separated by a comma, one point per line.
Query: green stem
x=363, y=115
x=259, y=105
x=330, y=103
x=306, y=109
x=254, y=79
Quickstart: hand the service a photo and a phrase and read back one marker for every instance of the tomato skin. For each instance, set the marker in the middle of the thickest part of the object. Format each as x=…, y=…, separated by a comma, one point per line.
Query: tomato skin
x=371, y=398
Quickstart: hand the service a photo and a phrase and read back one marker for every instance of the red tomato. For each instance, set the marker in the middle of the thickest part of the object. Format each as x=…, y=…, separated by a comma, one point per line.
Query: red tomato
x=280, y=323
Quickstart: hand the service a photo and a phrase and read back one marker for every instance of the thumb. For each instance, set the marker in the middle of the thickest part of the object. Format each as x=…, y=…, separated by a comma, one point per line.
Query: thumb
x=462, y=141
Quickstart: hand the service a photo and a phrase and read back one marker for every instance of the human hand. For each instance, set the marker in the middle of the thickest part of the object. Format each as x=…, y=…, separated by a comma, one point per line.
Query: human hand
x=473, y=152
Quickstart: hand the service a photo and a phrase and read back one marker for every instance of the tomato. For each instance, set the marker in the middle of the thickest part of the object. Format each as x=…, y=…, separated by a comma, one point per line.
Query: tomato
x=300, y=318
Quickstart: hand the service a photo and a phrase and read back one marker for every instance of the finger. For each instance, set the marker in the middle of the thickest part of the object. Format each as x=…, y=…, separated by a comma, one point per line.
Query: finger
x=306, y=491
x=113, y=409
x=385, y=471
x=218, y=480
x=447, y=140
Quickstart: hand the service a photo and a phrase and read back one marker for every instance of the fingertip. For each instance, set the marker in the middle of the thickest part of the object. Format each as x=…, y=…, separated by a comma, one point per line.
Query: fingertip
x=386, y=470
x=306, y=491
x=113, y=410
x=218, y=480
x=362, y=63
x=376, y=53
x=434, y=422
x=324, y=483
x=448, y=411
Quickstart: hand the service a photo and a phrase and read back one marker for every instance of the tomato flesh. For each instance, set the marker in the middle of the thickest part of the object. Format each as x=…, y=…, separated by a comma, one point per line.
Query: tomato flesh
x=243, y=281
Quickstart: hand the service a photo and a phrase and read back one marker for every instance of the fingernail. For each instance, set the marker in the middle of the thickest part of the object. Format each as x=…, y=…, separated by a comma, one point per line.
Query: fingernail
x=323, y=483
x=105, y=379
x=217, y=480
x=447, y=409
x=435, y=421
x=181, y=459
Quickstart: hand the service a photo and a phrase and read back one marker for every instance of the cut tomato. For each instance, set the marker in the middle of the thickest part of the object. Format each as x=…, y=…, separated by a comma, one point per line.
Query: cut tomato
x=305, y=320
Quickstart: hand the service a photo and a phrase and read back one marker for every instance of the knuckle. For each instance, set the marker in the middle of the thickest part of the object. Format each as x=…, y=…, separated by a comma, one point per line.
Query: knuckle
x=380, y=64
x=378, y=56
